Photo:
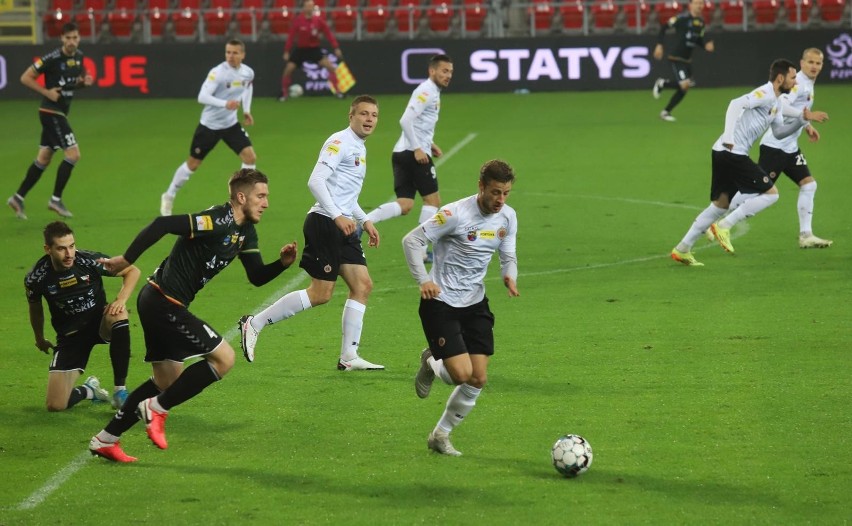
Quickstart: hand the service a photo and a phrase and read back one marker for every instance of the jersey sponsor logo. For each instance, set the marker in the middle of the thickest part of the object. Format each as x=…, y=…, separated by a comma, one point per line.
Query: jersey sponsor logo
x=67, y=282
x=487, y=234
x=211, y=77
x=439, y=219
x=333, y=149
x=203, y=223
x=758, y=94
x=502, y=233
x=422, y=98
x=72, y=62
x=447, y=212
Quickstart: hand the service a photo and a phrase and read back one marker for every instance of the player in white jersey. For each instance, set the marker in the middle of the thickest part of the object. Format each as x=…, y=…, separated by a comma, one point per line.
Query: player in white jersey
x=454, y=311
x=747, y=118
x=784, y=155
x=413, y=168
x=331, y=246
x=227, y=87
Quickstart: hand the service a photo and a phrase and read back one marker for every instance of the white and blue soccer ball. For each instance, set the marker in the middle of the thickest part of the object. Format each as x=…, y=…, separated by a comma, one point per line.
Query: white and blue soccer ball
x=296, y=90
x=572, y=455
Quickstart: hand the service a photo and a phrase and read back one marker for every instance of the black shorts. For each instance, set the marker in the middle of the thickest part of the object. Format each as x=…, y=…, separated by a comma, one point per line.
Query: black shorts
x=775, y=161
x=411, y=177
x=72, y=352
x=172, y=333
x=326, y=248
x=733, y=172
x=300, y=55
x=205, y=139
x=682, y=71
x=56, y=132
x=451, y=331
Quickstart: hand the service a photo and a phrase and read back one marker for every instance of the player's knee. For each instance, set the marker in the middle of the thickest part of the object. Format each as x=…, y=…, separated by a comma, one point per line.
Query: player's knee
x=477, y=381
x=319, y=297
x=405, y=207
x=223, y=360
x=248, y=156
x=55, y=407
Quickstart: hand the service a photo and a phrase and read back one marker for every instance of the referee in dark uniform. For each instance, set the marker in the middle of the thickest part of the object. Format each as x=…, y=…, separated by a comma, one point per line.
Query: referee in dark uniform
x=689, y=28
x=207, y=243
x=63, y=73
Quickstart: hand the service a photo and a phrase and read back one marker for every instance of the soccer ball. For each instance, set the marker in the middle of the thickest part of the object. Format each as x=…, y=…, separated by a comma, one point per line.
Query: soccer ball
x=571, y=455
x=296, y=90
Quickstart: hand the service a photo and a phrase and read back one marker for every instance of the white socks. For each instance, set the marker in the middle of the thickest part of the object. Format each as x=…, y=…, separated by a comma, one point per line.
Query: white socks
x=459, y=404
x=353, y=322
x=386, y=211
x=749, y=208
x=426, y=213
x=287, y=306
x=440, y=371
x=707, y=217
x=182, y=175
x=250, y=166
x=806, y=208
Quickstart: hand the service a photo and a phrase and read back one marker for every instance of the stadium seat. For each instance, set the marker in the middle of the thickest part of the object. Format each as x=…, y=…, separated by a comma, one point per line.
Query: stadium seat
x=733, y=12
x=666, y=10
x=474, y=16
x=250, y=11
x=218, y=18
x=186, y=19
x=831, y=11
x=157, y=16
x=541, y=12
x=280, y=16
x=376, y=15
x=604, y=13
x=709, y=12
x=572, y=13
x=407, y=15
x=440, y=17
x=630, y=10
x=798, y=11
x=59, y=13
x=90, y=20
x=121, y=19
x=345, y=17
x=765, y=12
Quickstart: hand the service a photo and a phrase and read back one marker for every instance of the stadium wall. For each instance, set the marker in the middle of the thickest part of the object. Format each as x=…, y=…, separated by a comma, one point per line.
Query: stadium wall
x=616, y=62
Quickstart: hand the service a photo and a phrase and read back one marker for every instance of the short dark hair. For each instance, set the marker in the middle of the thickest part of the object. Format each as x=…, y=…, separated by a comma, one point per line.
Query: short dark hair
x=781, y=67
x=362, y=98
x=437, y=59
x=237, y=42
x=244, y=179
x=496, y=170
x=69, y=27
x=55, y=230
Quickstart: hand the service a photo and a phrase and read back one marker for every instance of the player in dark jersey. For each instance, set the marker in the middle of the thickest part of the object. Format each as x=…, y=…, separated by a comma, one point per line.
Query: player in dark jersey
x=70, y=281
x=208, y=241
x=305, y=32
x=689, y=28
x=63, y=73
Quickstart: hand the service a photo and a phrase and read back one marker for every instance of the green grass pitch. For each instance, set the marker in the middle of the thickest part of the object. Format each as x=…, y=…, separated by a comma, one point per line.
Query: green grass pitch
x=714, y=395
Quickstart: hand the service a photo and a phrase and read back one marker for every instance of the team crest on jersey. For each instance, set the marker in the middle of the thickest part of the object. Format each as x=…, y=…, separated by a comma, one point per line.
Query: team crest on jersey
x=327, y=269
x=68, y=282
x=230, y=239
x=38, y=63
x=442, y=341
x=85, y=278
x=51, y=289
x=501, y=234
x=203, y=223
x=471, y=235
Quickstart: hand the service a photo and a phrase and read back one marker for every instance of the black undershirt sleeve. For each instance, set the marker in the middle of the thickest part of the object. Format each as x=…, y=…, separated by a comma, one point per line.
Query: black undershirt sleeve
x=258, y=273
x=179, y=225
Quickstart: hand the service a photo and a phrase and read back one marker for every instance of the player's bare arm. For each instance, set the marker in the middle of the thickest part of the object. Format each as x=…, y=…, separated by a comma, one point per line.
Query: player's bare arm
x=37, y=323
x=129, y=277
x=248, y=119
x=30, y=80
x=436, y=151
x=816, y=116
x=512, y=286
x=115, y=264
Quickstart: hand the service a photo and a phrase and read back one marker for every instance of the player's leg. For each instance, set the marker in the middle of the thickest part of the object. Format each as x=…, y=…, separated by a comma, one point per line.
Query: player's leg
x=286, y=79
x=404, y=167
x=237, y=139
x=721, y=188
x=681, y=84
x=67, y=142
x=61, y=393
x=758, y=189
x=115, y=330
x=805, y=206
x=357, y=278
x=34, y=172
x=203, y=141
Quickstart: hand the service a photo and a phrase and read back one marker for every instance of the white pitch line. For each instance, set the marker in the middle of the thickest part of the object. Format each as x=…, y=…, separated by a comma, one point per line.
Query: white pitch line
x=454, y=150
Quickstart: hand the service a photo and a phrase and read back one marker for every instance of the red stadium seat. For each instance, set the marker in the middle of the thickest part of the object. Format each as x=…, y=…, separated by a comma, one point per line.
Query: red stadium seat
x=186, y=19
x=376, y=15
x=474, y=16
x=630, y=10
x=798, y=11
x=407, y=16
x=121, y=19
x=90, y=20
x=709, y=11
x=666, y=10
x=831, y=11
x=218, y=18
x=732, y=13
x=251, y=10
x=345, y=17
x=59, y=13
x=604, y=13
x=280, y=16
x=157, y=16
x=572, y=16
x=541, y=12
x=765, y=12
x=440, y=16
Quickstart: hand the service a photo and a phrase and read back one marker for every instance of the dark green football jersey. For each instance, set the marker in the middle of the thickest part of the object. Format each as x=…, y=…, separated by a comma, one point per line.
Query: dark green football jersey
x=62, y=71
x=215, y=241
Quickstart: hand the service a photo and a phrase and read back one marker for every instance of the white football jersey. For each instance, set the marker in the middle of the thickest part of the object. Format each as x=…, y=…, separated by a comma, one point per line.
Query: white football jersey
x=225, y=83
x=346, y=155
x=799, y=98
x=424, y=105
x=761, y=108
x=463, y=241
